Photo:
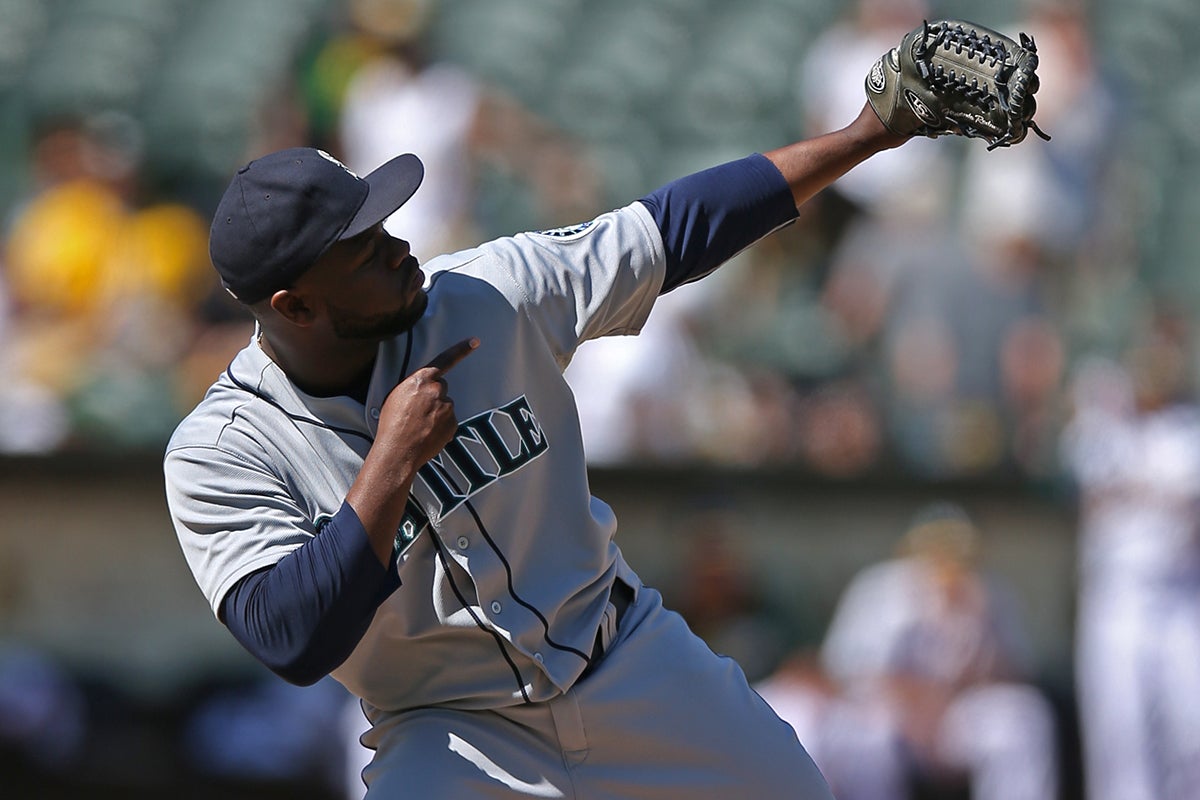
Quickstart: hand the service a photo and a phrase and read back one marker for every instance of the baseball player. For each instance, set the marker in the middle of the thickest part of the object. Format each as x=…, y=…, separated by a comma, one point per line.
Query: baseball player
x=1134, y=450
x=388, y=483
x=931, y=645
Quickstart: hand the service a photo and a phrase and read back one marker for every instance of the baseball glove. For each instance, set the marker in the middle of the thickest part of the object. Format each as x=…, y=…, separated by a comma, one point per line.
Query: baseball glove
x=955, y=77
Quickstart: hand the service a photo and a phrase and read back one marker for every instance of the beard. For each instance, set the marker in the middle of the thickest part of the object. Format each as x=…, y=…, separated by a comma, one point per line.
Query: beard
x=378, y=327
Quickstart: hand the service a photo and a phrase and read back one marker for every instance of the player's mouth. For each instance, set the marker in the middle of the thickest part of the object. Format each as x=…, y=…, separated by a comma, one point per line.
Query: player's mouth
x=417, y=279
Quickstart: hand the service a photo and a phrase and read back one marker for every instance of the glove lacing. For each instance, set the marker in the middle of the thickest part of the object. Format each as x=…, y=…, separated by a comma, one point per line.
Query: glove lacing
x=987, y=53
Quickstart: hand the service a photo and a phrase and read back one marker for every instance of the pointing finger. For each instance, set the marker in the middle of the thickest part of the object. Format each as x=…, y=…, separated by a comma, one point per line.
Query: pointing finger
x=446, y=359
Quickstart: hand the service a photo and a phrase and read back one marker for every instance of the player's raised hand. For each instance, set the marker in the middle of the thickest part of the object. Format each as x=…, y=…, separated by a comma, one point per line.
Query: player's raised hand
x=417, y=419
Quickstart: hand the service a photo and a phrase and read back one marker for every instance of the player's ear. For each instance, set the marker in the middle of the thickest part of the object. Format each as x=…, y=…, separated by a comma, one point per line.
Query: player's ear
x=292, y=307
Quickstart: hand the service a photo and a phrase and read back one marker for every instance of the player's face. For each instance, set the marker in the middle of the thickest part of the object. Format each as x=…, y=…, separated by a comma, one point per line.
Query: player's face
x=370, y=286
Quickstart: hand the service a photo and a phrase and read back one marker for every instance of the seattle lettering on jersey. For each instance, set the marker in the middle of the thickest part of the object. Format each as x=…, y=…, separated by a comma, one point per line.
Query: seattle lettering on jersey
x=485, y=448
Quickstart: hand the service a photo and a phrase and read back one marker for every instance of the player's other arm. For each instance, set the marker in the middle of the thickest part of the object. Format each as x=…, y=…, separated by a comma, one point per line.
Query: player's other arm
x=708, y=217
x=417, y=420
x=303, y=616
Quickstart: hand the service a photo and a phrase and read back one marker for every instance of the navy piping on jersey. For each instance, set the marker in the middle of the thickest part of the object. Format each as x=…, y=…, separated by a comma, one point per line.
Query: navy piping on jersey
x=296, y=417
x=483, y=626
x=708, y=217
x=408, y=345
x=508, y=569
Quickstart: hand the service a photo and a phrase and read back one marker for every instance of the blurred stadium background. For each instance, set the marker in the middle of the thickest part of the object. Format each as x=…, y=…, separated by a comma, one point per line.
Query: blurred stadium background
x=116, y=666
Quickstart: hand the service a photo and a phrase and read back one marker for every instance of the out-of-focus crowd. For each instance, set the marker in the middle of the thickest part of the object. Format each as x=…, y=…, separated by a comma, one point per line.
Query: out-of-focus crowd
x=926, y=314
x=109, y=322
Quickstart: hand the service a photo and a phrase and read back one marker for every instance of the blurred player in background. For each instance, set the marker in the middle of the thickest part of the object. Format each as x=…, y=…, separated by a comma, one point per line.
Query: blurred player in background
x=936, y=647
x=401, y=101
x=1134, y=448
x=854, y=741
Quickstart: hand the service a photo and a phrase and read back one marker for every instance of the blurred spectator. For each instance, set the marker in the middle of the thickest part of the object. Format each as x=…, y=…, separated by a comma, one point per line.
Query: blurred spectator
x=718, y=596
x=781, y=368
x=628, y=388
x=829, y=90
x=1041, y=204
x=854, y=743
x=958, y=346
x=269, y=732
x=104, y=291
x=43, y=711
x=44, y=717
x=55, y=240
x=32, y=418
x=936, y=644
x=1134, y=449
x=1032, y=365
x=840, y=430
x=402, y=100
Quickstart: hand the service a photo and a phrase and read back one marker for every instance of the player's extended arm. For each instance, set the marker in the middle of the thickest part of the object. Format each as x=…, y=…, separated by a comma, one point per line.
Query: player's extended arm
x=708, y=217
x=949, y=77
x=811, y=165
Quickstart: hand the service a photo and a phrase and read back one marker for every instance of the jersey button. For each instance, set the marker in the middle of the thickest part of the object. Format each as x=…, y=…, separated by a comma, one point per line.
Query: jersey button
x=463, y=543
x=374, y=413
x=496, y=607
x=538, y=658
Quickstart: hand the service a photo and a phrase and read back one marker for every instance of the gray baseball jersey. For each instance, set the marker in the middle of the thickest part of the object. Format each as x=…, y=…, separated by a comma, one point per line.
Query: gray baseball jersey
x=508, y=559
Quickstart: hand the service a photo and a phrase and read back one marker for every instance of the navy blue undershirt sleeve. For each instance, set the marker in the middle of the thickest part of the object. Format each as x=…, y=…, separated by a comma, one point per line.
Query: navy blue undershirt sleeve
x=303, y=616
x=710, y=216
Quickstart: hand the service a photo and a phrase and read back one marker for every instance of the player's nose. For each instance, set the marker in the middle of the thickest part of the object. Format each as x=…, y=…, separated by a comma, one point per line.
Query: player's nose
x=400, y=251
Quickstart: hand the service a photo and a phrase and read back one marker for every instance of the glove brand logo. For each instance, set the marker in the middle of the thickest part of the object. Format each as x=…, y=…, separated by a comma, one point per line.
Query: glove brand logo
x=875, y=79
x=923, y=112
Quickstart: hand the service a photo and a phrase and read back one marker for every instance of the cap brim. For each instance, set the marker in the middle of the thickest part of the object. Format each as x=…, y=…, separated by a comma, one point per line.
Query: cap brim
x=390, y=187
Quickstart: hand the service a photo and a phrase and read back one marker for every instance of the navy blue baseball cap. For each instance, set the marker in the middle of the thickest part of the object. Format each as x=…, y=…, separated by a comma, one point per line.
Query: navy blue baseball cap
x=281, y=212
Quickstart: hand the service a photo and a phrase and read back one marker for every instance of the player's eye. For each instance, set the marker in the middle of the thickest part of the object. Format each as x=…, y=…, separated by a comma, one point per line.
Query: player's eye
x=371, y=257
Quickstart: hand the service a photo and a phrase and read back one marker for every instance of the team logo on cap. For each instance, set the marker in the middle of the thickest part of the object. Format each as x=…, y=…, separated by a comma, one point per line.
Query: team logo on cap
x=330, y=158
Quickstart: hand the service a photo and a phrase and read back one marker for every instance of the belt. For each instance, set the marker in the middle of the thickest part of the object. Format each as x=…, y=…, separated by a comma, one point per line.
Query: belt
x=621, y=596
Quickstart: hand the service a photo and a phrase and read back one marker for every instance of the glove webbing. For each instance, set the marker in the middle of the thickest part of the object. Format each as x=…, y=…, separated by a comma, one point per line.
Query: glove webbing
x=988, y=53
